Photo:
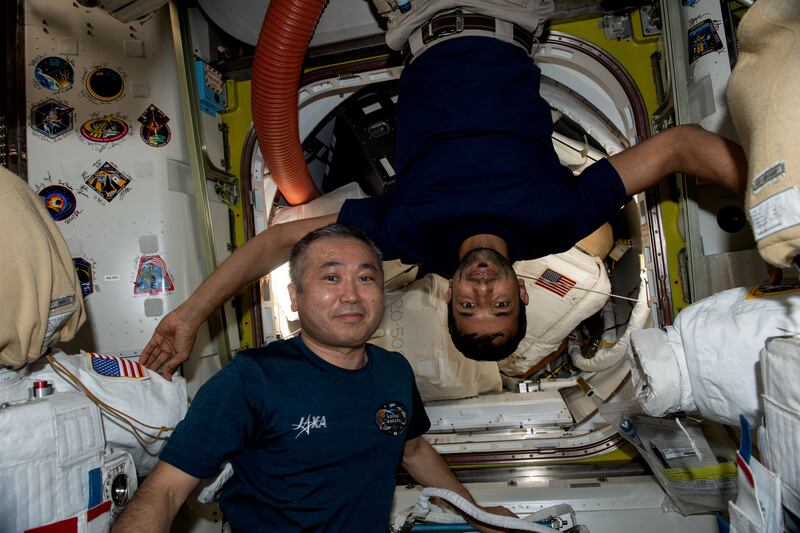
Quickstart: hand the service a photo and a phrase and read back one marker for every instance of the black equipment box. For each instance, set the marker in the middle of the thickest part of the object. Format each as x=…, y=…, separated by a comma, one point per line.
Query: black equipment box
x=363, y=143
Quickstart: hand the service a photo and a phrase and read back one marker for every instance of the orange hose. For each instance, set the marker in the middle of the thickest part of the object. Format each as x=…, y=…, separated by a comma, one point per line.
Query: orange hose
x=277, y=66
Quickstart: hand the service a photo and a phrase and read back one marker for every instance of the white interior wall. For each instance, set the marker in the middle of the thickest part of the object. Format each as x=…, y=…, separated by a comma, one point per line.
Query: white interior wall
x=155, y=213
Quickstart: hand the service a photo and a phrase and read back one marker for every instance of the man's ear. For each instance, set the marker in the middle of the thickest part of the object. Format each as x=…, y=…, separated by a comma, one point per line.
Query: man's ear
x=449, y=294
x=523, y=291
x=293, y=296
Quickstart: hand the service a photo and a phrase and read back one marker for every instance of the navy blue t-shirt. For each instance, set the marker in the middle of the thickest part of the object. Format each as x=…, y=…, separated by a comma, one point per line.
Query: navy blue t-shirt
x=474, y=155
x=314, y=447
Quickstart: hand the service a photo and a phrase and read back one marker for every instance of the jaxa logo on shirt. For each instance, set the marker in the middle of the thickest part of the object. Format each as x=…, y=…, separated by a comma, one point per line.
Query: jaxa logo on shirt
x=391, y=418
x=307, y=423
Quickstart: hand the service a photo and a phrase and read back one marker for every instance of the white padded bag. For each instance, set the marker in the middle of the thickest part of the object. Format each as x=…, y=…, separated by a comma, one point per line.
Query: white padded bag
x=415, y=324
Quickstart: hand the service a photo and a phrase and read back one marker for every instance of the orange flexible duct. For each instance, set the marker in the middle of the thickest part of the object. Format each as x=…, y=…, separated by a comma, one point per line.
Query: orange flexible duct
x=277, y=66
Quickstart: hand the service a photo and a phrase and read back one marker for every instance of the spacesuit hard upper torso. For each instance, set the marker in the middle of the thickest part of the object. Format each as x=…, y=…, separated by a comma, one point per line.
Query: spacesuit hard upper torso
x=474, y=155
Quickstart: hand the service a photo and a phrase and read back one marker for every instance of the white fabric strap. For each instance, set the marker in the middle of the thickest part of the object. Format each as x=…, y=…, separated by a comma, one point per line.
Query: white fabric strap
x=504, y=30
x=415, y=42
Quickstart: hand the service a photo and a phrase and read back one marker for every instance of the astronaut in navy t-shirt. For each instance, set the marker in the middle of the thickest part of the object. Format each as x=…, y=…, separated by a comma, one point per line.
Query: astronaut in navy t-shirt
x=315, y=426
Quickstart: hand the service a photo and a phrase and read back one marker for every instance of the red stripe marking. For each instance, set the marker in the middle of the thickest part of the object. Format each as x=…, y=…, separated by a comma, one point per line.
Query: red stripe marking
x=98, y=510
x=70, y=525
x=744, y=467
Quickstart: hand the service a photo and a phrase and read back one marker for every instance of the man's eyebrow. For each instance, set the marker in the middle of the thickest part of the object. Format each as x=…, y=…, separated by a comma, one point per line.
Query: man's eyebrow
x=467, y=314
x=362, y=266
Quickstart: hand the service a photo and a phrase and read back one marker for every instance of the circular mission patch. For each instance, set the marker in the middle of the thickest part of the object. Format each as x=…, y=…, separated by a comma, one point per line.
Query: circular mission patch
x=391, y=418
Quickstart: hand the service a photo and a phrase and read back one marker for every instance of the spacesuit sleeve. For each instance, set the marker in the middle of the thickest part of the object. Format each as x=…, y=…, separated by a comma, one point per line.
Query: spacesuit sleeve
x=419, y=418
x=220, y=422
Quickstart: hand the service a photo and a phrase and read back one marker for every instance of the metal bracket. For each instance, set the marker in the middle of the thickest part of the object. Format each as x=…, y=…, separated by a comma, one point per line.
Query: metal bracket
x=650, y=17
x=617, y=27
x=227, y=192
x=226, y=148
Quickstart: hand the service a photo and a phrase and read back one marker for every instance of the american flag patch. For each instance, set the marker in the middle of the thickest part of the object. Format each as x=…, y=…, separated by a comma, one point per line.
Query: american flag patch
x=116, y=367
x=555, y=282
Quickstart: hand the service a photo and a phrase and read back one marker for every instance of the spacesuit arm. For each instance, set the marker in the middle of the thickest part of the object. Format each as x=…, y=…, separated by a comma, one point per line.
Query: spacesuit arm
x=157, y=501
x=174, y=336
x=687, y=149
x=428, y=468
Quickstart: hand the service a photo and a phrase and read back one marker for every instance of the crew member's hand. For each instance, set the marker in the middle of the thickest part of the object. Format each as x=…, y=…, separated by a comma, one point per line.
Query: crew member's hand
x=498, y=509
x=170, y=345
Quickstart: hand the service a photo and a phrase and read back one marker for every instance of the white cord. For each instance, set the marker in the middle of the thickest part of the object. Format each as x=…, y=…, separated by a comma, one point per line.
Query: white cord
x=608, y=357
x=423, y=508
x=609, y=294
x=691, y=440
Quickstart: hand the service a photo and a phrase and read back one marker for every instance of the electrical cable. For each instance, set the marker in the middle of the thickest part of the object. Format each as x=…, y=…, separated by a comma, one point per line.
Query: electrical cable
x=612, y=295
x=423, y=506
x=65, y=373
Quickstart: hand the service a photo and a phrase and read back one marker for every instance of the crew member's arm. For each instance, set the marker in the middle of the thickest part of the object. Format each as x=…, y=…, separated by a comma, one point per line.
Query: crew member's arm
x=174, y=336
x=687, y=149
x=156, y=502
x=428, y=468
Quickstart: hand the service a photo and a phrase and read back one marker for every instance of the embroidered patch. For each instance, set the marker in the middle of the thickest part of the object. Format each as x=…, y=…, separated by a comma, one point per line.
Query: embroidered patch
x=105, y=129
x=107, y=181
x=54, y=74
x=154, y=130
x=59, y=201
x=391, y=418
x=768, y=176
x=152, y=277
x=703, y=39
x=51, y=118
x=104, y=84
x=554, y=282
x=116, y=367
x=61, y=309
x=762, y=291
x=83, y=268
x=59, y=198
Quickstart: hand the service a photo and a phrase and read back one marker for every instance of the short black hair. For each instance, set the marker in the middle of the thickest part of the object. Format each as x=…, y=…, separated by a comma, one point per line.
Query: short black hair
x=297, y=255
x=480, y=348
